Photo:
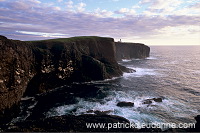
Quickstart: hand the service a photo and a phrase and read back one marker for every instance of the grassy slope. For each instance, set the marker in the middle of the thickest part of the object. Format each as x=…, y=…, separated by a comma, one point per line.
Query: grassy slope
x=71, y=39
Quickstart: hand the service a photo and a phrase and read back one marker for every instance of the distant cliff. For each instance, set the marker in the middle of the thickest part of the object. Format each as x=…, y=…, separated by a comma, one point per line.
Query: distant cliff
x=28, y=68
x=131, y=50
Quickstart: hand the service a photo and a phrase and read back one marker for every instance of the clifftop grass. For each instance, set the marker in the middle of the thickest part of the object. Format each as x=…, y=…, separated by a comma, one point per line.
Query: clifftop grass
x=72, y=39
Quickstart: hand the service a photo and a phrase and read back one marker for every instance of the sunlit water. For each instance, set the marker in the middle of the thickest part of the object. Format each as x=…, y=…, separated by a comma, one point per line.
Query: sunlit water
x=172, y=73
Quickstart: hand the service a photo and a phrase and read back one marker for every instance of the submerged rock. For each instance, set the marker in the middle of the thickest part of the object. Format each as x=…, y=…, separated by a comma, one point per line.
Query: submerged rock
x=97, y=112
x=150, y=101
x=125, y=104
x=157, y=100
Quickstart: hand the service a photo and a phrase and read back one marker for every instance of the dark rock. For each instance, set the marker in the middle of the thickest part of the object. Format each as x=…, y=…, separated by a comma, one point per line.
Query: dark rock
x=131, y=50
x=197, y=125
x=69, y=124
x=149, y=101
x=159, y=100
x=127, y=70
x=125, y=104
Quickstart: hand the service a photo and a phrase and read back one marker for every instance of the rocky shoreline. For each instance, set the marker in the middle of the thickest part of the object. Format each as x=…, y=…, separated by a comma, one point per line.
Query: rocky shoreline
x=71, y=123
x=37, y=67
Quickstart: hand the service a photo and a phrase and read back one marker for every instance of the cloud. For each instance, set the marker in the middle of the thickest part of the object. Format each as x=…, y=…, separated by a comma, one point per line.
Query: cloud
x=70, y=4
x=56, y=8
x=102, y=13
x=43, y=34
x=60, y=0
x=158, y=7
x=170, y=7
x=80, y=7
x=35, y=1
x=39, y=21
x=126, y=11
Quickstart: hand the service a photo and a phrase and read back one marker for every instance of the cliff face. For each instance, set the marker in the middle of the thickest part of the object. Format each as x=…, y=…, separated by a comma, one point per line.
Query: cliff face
x=15, y=72
x=61, y=61
x=27, y=68
x=131, y=50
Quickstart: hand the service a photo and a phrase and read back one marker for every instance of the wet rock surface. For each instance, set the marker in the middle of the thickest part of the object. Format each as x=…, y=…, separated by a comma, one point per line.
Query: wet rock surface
x=125, y=104
x=97, y=112
x=150, y=101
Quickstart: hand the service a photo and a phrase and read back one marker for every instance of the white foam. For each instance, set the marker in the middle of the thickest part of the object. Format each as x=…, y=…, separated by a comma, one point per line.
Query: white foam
x=140, y=72
x=27, y=98
x=110, y=104
x=62, y=110
x=126, y=60
x=99, y=81
x=151, y=58
x=139, y=113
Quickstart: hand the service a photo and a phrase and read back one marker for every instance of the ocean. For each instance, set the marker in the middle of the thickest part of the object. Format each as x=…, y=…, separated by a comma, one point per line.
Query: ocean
x=171, y=73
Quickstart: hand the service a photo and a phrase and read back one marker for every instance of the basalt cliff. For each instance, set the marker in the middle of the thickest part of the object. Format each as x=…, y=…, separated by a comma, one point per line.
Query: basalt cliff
x=29, y=68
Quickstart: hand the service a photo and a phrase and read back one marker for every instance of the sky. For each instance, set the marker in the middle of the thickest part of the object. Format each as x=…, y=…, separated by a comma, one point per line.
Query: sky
x=153, y=22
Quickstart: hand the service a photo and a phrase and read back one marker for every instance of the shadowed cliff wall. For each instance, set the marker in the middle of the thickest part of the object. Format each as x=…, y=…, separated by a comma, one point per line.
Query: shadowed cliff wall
x=28, y=68
x=131, y=50
x=16, y=70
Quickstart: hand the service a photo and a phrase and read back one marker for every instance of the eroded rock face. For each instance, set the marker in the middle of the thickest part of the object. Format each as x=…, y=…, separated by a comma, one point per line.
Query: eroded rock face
x=131, y=50
x=76, y=60
x=16, y=69
x=28, y=68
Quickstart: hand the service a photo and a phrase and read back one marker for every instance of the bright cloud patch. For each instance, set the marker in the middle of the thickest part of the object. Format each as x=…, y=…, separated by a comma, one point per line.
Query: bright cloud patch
x=43, y=34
